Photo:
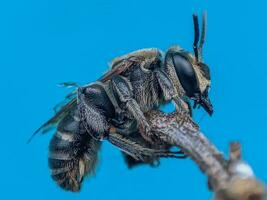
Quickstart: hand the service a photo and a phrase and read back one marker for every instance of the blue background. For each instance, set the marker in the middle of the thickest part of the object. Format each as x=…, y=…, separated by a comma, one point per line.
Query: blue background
x=46, y=42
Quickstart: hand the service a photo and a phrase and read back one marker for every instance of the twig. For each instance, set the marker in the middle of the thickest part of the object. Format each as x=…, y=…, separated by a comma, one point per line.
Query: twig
x=231, y=179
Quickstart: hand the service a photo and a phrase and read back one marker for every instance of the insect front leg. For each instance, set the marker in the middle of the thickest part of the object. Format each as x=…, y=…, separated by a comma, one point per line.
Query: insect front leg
x=169, y=91
x=123, y=92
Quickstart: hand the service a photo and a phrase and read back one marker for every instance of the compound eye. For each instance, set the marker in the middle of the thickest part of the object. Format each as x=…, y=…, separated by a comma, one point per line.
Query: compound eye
x=186, y=75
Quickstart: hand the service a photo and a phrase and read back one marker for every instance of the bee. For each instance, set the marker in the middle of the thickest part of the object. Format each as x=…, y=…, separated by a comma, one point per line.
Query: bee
x=113, y=108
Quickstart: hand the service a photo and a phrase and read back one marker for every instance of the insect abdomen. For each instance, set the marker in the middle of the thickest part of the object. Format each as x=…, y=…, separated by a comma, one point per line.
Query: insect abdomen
x=72, y=154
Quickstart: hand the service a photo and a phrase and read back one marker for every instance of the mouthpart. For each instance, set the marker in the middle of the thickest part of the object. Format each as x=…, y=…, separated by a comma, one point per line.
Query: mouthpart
x=205, y=103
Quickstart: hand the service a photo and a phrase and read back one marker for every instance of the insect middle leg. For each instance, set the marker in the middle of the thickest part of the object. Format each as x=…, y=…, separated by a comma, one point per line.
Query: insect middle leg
x=123, y=92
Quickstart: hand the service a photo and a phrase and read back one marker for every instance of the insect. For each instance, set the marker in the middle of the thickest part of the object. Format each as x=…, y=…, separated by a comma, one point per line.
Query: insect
x=113, y=108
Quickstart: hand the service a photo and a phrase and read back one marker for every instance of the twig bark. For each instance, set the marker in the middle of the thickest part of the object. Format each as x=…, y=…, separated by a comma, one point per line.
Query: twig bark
x=231, y=179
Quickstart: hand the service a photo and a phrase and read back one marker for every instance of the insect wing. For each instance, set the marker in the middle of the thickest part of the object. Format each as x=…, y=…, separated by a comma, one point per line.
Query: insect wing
x=119, y=67
x=51, y=123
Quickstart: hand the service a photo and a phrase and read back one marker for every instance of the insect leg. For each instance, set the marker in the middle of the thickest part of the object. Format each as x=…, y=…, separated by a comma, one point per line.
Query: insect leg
x=123, y=92
x=127, y=133
x=138, y=150
x=169, y=91
x=94, y=109
x=153, y=162
x=127, y=127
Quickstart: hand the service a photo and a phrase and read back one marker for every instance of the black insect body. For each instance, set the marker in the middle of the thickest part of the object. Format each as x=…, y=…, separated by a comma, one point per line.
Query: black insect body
x=114, y=108
x=73, y=153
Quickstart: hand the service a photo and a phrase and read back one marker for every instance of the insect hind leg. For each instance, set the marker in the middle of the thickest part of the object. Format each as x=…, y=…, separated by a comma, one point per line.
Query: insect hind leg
x=140, y=151
x=95, y=109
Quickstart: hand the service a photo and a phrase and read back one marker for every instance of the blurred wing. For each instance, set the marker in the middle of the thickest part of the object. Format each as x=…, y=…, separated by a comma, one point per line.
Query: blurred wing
x=120, y=66
x=68, y=98
x=61, y=110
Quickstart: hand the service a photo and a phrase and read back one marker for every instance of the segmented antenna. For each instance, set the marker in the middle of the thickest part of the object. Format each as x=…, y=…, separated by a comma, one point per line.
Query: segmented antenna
x=203, y=34
x=196, y=39
x=198, y=48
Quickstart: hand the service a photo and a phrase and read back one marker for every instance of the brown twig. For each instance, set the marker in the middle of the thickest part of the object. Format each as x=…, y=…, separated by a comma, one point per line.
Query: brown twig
x=231, y=179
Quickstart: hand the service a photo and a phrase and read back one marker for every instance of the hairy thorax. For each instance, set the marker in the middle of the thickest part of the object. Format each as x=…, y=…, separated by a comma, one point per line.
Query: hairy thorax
x=145, y=87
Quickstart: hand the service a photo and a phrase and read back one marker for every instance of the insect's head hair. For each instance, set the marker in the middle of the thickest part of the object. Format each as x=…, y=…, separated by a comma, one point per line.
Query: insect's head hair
x=192, y=73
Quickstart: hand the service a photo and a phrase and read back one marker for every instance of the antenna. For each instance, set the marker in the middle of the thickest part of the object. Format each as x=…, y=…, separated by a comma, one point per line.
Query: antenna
x=203, y=34
x=198, y=48
x=196, y=38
